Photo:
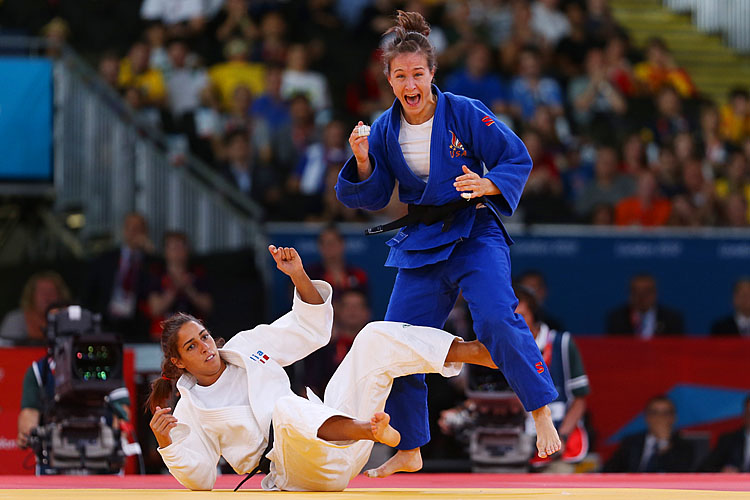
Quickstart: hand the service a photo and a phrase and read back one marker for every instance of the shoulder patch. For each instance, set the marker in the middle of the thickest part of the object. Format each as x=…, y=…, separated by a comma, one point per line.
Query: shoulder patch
x=488, y=120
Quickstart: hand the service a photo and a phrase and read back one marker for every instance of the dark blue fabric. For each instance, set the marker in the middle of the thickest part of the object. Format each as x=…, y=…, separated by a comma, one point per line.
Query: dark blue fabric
x=480, y=267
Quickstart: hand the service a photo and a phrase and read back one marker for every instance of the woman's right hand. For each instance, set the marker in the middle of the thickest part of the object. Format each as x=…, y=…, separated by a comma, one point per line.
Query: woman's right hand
x=161, y=423
x=360, y=146
x=361, y=149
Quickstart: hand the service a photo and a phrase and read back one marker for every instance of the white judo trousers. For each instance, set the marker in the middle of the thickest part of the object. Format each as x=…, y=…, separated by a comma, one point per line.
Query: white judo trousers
x=382, y=351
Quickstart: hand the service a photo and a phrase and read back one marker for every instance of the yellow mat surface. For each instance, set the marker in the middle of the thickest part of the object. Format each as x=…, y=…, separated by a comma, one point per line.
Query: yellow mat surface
x=399, y=494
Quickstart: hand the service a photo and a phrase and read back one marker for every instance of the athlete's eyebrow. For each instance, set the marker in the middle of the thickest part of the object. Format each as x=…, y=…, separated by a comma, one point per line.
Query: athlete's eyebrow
x=193, y=338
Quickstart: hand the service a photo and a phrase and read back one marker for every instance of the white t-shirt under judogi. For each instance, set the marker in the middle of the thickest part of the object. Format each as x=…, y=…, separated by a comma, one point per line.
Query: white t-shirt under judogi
x=415, y=145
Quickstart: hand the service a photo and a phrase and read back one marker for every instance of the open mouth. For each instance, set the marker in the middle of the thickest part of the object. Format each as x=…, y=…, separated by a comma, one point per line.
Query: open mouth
x=412, y=99
x=212, y=356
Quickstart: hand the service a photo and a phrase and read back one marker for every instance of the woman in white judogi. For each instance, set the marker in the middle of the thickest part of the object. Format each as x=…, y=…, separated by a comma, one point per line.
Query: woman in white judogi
x=230, y=396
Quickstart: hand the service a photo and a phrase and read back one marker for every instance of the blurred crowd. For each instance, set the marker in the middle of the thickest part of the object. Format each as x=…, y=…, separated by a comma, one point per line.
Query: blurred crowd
x=266, y=92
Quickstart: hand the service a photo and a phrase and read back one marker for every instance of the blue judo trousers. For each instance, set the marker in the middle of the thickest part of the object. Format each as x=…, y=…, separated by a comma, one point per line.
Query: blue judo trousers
x=479, y=266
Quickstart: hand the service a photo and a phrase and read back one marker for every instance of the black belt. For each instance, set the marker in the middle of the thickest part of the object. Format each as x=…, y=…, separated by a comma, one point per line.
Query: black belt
x=427, y=214
x=264, y=465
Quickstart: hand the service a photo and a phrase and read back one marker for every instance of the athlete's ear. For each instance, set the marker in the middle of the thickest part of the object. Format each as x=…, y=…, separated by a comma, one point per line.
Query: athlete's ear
x=179, y=364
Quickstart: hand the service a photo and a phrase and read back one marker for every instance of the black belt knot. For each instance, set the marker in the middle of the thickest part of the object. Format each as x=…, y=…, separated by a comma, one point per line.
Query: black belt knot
x=428, y=215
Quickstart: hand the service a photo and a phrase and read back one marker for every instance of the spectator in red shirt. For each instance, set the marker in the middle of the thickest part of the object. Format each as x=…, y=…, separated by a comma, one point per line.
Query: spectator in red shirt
x=333, y=267
x=646, y=208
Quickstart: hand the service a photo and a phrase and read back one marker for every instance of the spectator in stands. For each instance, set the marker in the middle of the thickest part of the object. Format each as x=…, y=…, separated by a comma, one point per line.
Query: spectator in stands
x=543, y=194
x=530, y=89
x=289, y=142
x=660, y=71
x=109, y=69
x=351, y=313
x=155, y=35
x=299, y=79
x=732, y=451
x=735, y=211
x=698, y=191
x=643, y=316
x=523, y=35
x=56, y=33
x=596, y=101
x=118, y=279
x=608, y=186
x=619, y=70
x=659, y=449
x=236, y=72
x=646, y=208
x=533, y=281
x=599, y=20
x=234, y=21
x=603, y=214
x=633, y=156
x=183, y=18
x=25, y=325
x=735, y=179
x=135, y=72
x=272, y=46
x=242, y=170
x=185, y=82
x=735, y=116
x=684, y=212
x=670, y=119
x=270, y=107
x=548, y=21
x=570, y=51
x=667, y=172
x=738, y=323
x=333, y=267
x=476, y=80
x=306, y=184
x=709, y=141
x=178, y=286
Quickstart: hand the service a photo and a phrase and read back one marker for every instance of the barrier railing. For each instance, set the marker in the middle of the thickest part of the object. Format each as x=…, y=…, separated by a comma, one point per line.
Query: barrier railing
x=108, y=162
x=730, y=17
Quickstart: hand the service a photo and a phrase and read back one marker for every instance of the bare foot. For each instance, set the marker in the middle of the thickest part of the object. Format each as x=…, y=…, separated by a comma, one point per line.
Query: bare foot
x=382, y=431
x=547, y=440
x=402, y=461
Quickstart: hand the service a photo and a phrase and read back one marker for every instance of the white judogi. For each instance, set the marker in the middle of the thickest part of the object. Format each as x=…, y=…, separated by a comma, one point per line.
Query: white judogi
x=300, y=461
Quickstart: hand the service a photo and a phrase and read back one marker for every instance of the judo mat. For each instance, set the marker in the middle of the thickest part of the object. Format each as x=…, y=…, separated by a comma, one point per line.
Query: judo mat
x=399, y=486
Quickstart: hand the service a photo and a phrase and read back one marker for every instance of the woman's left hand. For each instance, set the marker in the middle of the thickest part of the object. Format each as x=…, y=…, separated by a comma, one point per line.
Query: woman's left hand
x=470, y=185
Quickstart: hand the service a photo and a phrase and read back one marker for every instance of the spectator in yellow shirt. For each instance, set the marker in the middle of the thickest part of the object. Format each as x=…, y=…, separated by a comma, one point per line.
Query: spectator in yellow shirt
x=136, y=72
x=660, y=70
x=237, y=72
x=735, y=116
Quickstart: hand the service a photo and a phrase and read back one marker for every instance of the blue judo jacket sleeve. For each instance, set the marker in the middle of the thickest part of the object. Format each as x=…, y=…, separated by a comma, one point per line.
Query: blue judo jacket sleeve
x=374, y=192
x=503, y=153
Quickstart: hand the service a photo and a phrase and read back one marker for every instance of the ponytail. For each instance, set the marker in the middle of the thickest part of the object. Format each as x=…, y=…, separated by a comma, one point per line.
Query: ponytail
x=162, y=389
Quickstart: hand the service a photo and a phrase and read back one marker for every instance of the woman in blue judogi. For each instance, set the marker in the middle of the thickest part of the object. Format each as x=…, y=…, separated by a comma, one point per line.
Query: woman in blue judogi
x=437, y=146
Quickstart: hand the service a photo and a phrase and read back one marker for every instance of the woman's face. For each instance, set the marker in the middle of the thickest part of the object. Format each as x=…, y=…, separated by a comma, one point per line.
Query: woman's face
x=198, y=352
x=411, y=80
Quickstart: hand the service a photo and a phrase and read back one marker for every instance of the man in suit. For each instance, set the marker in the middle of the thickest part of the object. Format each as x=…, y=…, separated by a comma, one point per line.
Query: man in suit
x=659, y=449
x=643, y=316
x=117, y=280
x=732, y=452
x=243, y=171
x=737, y=324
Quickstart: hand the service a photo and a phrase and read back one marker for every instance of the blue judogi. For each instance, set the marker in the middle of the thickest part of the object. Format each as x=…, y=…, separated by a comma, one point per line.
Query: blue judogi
x=472, y=255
